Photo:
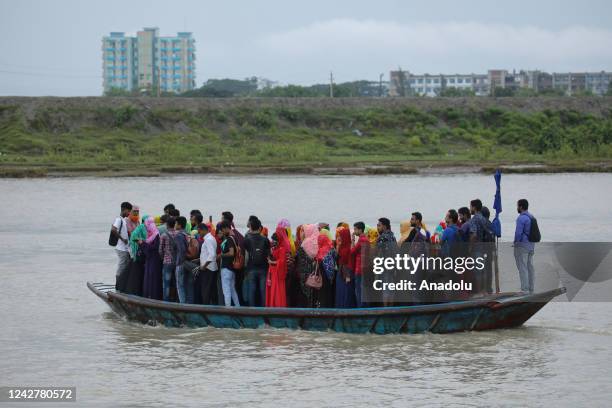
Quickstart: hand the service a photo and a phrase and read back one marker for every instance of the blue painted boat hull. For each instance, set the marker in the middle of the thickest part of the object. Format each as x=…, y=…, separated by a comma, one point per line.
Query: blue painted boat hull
x=495, y=312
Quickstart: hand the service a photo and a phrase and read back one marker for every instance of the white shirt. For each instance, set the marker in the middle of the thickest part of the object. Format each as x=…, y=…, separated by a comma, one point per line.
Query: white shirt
x=121, y=224
x=208, y=253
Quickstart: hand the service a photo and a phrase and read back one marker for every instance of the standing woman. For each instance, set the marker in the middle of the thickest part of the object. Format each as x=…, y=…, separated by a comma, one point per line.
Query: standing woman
x=345, y=282
x=276, y=295
x=136, y=277
x=152, y=287
x=305, y=265
x=326, y=256
x=293, y=279
x=133, y=220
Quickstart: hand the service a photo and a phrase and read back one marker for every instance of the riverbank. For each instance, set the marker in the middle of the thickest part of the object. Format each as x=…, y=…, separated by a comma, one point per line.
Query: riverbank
x=424, y=168
x=42, y=137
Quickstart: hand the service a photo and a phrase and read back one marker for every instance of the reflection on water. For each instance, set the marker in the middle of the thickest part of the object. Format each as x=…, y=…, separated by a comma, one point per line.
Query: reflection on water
x=56, y=332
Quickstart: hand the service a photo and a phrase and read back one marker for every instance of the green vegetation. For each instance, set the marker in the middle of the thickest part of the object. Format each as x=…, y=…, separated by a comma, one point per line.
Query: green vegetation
x=131, y=137
x=227, y=88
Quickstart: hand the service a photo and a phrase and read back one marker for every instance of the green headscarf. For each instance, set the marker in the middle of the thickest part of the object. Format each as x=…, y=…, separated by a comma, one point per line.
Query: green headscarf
x=139, y=234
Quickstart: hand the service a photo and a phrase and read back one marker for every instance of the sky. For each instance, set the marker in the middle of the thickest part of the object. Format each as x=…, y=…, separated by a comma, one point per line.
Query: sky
x=53, y=47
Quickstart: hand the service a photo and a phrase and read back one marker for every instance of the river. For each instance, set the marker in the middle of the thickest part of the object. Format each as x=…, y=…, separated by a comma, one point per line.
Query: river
x=55, y=332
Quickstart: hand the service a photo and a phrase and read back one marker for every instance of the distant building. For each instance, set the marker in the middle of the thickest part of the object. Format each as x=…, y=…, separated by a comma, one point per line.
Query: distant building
x=404, y=83
x=148, y=62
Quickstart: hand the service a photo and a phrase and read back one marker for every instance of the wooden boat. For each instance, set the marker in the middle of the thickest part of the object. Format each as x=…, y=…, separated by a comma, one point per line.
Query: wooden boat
x=497, y=311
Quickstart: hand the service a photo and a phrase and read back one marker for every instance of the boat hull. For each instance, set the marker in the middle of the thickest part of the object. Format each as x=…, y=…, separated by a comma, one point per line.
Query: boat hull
x=496, y=312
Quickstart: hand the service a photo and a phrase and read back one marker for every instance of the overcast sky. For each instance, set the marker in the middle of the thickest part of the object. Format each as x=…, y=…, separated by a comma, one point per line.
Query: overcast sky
x=53, y=47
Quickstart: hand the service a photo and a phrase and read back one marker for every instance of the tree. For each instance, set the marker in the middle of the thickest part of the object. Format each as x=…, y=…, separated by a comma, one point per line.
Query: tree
x=223, y=88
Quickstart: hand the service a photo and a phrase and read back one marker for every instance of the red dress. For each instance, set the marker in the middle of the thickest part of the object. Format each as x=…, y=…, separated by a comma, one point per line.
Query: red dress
x=276, y=295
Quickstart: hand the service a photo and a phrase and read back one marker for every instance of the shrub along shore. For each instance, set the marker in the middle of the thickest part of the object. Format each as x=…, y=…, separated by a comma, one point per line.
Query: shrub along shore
x=151, y=136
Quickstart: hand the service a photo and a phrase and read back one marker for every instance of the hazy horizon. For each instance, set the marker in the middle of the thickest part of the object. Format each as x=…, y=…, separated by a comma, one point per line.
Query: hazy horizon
x=54, y=47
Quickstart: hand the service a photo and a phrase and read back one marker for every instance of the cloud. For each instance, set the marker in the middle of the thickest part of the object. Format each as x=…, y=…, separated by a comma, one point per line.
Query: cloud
x=366, y=47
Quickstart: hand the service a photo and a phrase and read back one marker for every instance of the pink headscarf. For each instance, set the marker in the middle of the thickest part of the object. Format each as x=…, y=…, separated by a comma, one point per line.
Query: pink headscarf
x=152, y=231
x=310, y=243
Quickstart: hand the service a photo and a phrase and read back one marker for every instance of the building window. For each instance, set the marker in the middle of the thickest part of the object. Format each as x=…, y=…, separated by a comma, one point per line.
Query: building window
x=468, y=80
x=436, y=81
x=460, y=80
x=429, y=81
x=452, y=80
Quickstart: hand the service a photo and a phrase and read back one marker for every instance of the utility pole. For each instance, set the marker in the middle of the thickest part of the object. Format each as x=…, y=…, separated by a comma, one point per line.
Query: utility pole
x=380, y=89
x=331, y=84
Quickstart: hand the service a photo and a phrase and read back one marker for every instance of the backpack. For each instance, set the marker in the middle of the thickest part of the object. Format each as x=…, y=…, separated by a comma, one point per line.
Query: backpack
x=113, y=239
x=238, y=256
x=193, y=249
x=534, y=230
x=487, y=232
x=258, y=255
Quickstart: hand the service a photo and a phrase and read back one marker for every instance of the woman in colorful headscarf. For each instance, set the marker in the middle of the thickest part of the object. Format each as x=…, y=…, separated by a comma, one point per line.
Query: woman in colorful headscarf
x=405, y=229
x=133, y=220
x=136, y=276
x=293, y=281
x=305, y=264
x=326, y=257
x=276, y=295
x=345, y=286
x=152, y=285
x=284, y=223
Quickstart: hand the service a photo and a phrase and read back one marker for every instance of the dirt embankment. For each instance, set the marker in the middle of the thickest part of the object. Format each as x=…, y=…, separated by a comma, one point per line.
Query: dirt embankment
x=592, y=105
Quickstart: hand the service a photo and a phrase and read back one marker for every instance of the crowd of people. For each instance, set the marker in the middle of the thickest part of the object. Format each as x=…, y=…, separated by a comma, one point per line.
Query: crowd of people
x=172, y=258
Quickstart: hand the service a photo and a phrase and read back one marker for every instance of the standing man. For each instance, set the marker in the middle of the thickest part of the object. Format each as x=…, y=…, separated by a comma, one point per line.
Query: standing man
x=208, y=265
x=478, y=236
x=258, y=249
x=523, y=247
x=119, y=230
x=386, y=247
x=167, y=252
x=228, y=275
x=450, y=234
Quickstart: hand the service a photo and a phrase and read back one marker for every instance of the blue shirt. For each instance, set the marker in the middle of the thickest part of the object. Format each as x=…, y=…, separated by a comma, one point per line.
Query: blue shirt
x=521, y=233
x=448, y=237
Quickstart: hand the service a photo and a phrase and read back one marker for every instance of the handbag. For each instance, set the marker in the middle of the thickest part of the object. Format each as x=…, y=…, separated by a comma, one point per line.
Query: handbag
x=315, y=279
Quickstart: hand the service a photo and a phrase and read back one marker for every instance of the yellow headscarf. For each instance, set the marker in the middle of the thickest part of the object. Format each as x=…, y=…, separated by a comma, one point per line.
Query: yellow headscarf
x=405, y=229
x=291, y=241
x=372, y=234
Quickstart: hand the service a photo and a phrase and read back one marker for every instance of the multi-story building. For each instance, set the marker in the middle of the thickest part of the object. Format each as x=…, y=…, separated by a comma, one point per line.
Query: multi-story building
x=403, y=83
x=148, y=62
x=598, y=82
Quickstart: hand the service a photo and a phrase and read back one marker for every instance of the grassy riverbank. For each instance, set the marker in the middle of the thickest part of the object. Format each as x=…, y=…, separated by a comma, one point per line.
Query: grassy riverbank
x=116, y=136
